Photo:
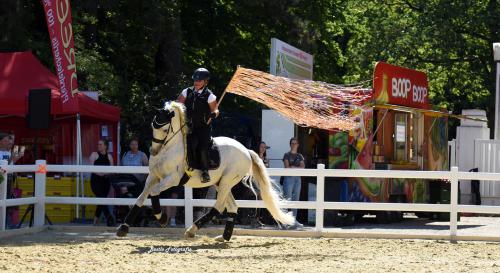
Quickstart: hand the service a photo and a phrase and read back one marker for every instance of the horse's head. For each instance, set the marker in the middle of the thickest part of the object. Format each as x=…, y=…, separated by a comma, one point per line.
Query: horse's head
x=162, y=127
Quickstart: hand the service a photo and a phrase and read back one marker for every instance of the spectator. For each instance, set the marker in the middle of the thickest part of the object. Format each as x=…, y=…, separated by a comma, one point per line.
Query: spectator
x=7, y=152
x=16, y=151
x=171, y=211
x=263, y=153
x=5, y=141
x=99, y=182
x=291, y=184
x=134, y=157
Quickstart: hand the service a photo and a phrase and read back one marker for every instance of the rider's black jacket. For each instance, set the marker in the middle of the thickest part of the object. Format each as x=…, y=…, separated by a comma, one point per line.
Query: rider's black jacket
x=197, y=108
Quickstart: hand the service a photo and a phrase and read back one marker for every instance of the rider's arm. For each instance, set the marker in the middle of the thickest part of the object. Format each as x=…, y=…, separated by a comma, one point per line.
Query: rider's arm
x=182, y=96
x=181, y=99
x=213, y=108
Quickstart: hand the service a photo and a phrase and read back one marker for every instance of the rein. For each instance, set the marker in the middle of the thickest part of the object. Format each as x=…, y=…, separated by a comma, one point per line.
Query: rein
x=165, y=140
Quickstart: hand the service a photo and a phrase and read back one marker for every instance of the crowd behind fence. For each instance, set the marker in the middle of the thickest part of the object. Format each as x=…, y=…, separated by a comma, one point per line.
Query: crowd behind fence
x=39, y=200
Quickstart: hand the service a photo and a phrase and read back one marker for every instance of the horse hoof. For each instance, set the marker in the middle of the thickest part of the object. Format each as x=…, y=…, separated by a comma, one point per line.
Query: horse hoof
x=220, y=239
x=122, y=230
x=191, y=231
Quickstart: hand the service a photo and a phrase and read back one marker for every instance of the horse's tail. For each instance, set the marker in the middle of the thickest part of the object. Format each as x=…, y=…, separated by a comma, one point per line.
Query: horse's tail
x=270, y=196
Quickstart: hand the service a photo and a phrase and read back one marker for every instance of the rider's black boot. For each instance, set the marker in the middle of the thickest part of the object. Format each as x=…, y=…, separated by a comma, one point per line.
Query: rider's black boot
x=205, y=177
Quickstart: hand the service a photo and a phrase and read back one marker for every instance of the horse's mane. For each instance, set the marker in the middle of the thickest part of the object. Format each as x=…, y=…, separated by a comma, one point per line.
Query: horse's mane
x=182, y=122
x=182, y=110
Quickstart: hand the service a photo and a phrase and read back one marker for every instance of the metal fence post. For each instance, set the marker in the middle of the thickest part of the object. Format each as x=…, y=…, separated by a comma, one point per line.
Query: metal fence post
x=453, y=202
x=320, y=197
x=188, y=206
x=40, y=181
x=3, y=197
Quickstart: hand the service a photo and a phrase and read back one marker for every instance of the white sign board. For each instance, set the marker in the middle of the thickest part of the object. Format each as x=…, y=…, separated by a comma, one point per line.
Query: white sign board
x=290, y=62
x=400, y=132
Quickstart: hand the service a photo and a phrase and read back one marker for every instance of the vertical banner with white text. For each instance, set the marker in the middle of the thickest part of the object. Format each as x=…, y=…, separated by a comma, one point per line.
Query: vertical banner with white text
x=58, y=16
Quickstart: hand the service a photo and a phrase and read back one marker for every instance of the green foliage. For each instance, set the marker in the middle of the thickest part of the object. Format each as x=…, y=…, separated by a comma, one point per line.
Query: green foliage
x=141, y=53
x=449, y=40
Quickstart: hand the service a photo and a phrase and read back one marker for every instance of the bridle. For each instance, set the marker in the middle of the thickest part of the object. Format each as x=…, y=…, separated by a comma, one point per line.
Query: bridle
x=165, y=141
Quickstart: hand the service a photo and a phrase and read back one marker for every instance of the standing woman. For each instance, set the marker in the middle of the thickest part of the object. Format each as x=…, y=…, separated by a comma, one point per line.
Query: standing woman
x=292, y=184
x=99, y=182
x=263, y=153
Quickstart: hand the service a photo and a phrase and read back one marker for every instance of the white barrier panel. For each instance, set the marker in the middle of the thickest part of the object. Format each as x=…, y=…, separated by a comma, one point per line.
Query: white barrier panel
x=487, y=159
x=21, y=201
x=40, y=200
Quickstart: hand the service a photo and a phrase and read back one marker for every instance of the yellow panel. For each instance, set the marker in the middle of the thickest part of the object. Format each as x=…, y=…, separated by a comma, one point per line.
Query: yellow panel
x=60, y=218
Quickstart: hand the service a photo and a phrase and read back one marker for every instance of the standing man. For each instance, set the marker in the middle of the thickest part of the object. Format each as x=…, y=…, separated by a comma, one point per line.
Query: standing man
x=201, y=106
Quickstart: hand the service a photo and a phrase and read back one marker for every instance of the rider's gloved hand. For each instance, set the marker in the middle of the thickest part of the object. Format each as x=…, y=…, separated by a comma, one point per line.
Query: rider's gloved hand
x=214, y=114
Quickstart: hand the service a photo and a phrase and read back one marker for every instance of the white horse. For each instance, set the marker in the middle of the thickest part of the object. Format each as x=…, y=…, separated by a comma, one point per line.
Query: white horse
x=167, y=168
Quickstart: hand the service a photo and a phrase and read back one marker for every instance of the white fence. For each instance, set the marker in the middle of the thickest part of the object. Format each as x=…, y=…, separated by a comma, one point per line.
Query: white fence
x=39, y=200
x=487, y=159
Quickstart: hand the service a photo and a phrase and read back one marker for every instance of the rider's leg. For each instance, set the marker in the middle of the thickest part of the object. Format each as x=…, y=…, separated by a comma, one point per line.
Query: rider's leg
x=191, y=149
x=204, y=138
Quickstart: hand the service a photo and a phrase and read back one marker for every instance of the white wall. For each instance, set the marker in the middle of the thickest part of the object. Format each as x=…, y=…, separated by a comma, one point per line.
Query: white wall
x=467, y=133
x=276, y=133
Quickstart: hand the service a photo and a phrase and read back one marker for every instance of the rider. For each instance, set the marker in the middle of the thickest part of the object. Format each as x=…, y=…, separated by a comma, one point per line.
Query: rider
x=201, y=106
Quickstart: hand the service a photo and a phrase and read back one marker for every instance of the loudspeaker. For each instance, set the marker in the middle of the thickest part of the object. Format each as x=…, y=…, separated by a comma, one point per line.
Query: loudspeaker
x=39, y=109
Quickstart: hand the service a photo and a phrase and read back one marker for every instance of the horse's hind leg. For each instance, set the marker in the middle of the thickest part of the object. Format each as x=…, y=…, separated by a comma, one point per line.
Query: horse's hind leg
x=232, y=212
x=224, y=190
x=191, y=231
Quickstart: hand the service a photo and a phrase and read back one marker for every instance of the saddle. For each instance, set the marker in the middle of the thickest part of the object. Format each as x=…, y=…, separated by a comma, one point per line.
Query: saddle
x=213, y=157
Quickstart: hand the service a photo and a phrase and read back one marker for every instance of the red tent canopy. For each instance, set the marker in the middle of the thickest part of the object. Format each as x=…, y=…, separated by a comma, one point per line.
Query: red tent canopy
x=21, y=71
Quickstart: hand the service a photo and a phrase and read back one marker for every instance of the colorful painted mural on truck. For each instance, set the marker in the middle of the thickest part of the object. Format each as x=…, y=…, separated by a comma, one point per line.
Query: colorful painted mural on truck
x=437, y=150
x=338, y=150
x=361, y=154
x=354, y=149
x=394, y=87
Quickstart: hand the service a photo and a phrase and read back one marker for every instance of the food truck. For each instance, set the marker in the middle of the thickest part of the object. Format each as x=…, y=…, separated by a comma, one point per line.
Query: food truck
x=398, y=130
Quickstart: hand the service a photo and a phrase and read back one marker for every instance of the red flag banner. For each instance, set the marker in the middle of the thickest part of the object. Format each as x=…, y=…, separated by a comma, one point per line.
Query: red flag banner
x=305, y=102
x=58, y=16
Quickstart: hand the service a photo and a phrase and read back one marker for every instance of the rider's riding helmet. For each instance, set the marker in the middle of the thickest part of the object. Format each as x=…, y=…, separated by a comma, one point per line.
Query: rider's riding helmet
x=201, y=74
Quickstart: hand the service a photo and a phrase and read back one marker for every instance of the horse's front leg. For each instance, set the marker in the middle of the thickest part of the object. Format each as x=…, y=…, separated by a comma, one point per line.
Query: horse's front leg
x=132, y=214
x=164, y=185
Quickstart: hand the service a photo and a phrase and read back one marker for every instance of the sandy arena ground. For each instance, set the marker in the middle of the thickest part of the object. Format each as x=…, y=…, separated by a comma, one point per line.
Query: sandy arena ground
x=66, y=251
